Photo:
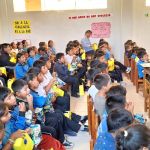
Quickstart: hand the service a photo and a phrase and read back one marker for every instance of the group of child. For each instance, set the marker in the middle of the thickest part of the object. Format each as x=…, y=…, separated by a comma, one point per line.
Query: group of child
x=39, y=95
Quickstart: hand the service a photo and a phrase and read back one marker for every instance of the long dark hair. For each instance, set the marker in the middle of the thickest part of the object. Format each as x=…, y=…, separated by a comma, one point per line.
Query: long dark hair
x=134, y=137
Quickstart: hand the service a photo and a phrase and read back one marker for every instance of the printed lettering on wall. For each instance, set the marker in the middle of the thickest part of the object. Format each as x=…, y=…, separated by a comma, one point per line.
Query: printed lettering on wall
x=101, y=29
x=22, y=26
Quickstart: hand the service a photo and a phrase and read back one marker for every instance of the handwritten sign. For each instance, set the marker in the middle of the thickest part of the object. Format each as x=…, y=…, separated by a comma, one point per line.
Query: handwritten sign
x=22, y=26
x=101, y=29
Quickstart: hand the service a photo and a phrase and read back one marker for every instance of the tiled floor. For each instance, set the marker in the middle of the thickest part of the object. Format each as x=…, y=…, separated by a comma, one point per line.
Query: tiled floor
x=79, y=106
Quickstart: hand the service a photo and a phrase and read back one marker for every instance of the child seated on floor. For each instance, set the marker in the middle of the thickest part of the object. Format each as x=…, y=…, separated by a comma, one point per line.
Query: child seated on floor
x=143, y=58
x=117, y=119
x=21, y=66
x=65, y=75
x=135, y=137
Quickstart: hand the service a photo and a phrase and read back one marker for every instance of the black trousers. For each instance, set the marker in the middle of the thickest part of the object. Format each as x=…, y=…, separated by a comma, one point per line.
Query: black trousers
x=116, y=75
x=62, y=103
x=74, y=84
x=122, y=67
x=66, y=123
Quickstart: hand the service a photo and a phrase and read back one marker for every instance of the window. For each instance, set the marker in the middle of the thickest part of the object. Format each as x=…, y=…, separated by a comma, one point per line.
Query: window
x=44, y=5
x=58, y=4
x=19, y=5
x=147, y=2
x=91, y=4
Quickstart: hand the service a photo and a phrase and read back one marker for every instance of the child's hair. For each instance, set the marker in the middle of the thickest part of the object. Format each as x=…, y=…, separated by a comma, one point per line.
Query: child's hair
x=101, y=80
x=141, y=54
x=44, y=59
x=116, y=101
x=41, y=44
x=3, y=108
x=102, y=66
x=70, y=44
x=29, y=77
x=34, y=70
x=39, y=64
x=76, y=43
x=49, y=43
x=18, y=43
x=68, y=49
x=134, y=137
x=4, y=45
x=88, y=31
x=19, y=55
x=94, y=63
x=99, y=54
x=92, y=73
x=59, y=55
x=116, y=90
x=135, y=50
x=18, y=85
x=41, y=49
x=30, y=49
x=4, y=92
x=118, y=118
x=23, y=42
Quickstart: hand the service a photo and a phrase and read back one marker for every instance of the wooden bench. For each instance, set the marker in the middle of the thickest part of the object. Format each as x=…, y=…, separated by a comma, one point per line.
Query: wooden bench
x=93, y=122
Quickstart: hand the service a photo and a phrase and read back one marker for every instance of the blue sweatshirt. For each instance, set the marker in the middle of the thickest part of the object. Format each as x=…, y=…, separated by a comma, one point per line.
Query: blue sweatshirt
x=16, y=122
x=21, y=70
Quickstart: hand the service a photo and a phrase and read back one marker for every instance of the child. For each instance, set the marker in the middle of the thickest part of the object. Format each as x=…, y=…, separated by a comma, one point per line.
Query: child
x=14, y=48
x=17, y=119
x=41, y=53
x=51, y=47
x=135, y=137
x=64, y=74
x=102, y=83
x=21, y=66
x=19, y=46
x=62, y=102
x=25, y=45
x=4, y=57
x=143, y=57
x=92, y=91
x=117, y=119
x=32, y=56
x=51, y=124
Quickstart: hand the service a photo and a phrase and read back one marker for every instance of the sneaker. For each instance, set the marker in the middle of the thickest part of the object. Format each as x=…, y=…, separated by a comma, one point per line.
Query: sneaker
x=128, y=70
x=75, y=95
x=122, y=83
x=70, y=133
x=68, y=145
x=84, y=119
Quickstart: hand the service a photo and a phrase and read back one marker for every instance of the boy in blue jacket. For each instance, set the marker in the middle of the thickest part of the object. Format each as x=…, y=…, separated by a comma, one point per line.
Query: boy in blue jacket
x=143, y=57
x=65, y=75
x=21, y=66
x=17, y=120
x=32, y=56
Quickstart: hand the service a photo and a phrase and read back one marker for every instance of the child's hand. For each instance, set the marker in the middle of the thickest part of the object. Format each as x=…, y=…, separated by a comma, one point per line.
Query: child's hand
x=22, y=107
x=54, y=74
x=79, y=65
x=53, y=80
x=29, y=98
x=17, y=134
x=1, y=73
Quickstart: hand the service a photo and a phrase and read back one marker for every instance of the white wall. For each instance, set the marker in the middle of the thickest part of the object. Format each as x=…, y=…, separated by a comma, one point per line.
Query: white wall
x=57, y=26
x=141, y=24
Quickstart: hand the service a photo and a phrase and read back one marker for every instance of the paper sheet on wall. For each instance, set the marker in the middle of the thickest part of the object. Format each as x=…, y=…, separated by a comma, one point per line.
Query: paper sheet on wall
x=22, y=26
x=101, y=29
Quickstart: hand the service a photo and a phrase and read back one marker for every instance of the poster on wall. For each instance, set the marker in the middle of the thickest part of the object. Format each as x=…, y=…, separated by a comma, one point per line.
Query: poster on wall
x=22, y=26
x=101, y=29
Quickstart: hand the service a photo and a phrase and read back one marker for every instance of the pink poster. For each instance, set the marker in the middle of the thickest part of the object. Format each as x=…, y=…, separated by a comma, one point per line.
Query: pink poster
x=101, y=29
